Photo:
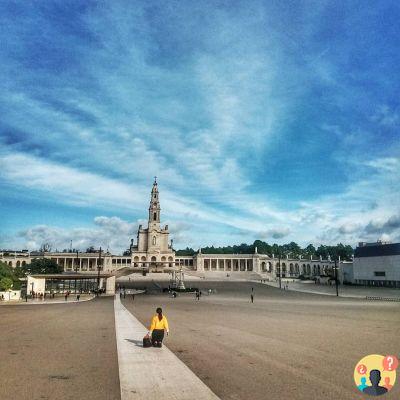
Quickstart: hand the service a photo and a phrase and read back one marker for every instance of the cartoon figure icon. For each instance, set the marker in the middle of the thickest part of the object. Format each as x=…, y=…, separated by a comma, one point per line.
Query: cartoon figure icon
x=363, y=384
x=375, y=374
x=387, y=384
x=375, y=389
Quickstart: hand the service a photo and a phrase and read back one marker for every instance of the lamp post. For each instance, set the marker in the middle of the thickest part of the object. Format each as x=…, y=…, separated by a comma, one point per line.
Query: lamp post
x=98, y=272
x=76, y=267
x=336, y=280
x=280, y=270
x=336, y=276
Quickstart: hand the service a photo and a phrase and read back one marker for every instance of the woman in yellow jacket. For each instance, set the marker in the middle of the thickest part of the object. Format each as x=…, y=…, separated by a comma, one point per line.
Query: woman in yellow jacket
x=159, y=324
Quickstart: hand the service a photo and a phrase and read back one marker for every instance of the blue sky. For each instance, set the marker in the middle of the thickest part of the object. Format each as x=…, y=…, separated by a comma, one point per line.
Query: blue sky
x=262, y=120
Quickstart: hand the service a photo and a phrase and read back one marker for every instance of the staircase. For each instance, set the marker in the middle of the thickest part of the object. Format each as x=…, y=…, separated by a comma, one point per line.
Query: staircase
x=123, y=272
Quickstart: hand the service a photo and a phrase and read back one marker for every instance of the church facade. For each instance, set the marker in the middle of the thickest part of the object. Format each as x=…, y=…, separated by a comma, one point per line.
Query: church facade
x=153, y=249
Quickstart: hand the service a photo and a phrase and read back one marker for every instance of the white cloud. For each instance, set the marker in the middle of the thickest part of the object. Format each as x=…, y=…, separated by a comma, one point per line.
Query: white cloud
x=389, y=164
x=386, y=116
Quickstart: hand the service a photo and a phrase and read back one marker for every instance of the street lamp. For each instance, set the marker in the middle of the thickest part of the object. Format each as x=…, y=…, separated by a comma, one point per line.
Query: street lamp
x=76, y=267
x=280, y=270
x=98, y=272
x=336, y=280
x=336, y=276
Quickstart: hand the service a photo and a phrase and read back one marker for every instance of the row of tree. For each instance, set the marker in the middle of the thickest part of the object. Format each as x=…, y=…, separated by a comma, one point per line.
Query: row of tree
x=10, y=277
x=292, y=249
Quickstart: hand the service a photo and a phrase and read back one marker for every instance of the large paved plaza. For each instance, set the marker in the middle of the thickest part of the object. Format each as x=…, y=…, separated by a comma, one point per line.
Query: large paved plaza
x=287, y=345
x=59, y=351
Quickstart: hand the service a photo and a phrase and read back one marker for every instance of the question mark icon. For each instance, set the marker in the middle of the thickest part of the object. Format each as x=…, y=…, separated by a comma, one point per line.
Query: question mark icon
x=361, y=369
x=390, y=363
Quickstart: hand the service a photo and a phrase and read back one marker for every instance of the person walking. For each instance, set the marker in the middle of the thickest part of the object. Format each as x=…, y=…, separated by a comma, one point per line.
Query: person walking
x=133, y=296
x=252, y=298
x=66, y=296
x=78, y=297
x=158, y=326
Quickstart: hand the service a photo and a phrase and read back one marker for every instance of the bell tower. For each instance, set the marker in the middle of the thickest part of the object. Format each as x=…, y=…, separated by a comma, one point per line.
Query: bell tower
x=154, y=209
x=153, y=250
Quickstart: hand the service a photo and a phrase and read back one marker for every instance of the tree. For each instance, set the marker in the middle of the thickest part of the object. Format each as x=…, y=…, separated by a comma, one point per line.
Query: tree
x=42, y=266
x=10, y=273
x=6, y=284
x=345, y=252
x=310, y=250
x=186, y=252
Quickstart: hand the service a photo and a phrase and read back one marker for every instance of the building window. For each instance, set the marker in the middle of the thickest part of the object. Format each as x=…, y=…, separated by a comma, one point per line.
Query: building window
x=154, y=240
x=380, y=273
x=155, y=216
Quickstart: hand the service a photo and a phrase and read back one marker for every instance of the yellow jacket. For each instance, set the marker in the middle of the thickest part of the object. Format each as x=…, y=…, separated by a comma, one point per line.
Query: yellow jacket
x=157, y=324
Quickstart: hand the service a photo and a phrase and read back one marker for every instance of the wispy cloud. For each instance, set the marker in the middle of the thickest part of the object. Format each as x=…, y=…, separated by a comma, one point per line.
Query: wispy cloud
x=257, y=119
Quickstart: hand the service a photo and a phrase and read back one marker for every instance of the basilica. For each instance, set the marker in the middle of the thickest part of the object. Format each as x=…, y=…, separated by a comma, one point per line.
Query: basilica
x=153, y=249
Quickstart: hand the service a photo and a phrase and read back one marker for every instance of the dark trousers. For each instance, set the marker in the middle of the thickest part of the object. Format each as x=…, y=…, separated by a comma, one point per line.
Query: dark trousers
x=157, y=337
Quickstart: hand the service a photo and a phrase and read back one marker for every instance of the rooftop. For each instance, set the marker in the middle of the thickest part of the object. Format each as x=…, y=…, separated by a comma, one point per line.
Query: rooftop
x=378, y=249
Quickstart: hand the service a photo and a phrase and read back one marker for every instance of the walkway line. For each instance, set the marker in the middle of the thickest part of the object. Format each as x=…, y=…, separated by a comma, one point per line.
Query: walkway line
x=151, y=373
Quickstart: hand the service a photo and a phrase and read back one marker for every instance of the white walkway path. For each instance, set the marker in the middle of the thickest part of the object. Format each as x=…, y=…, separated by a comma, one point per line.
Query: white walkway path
x=151, y=373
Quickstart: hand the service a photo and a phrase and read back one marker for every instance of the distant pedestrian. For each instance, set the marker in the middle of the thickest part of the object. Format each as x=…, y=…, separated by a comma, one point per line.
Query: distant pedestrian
x=78, y=296
x=197, y=295
x=133, y=296
x=66, y=296
x=120, y=294
x=124, y=293
x=200, y=294
x=252, y=298
x=252, y=289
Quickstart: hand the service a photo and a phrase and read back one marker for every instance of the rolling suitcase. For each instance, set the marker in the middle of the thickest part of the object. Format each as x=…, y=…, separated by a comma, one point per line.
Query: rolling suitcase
x=147, y=341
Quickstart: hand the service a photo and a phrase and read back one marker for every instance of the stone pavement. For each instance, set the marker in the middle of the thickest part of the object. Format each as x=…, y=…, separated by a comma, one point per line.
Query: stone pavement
x=151, y=373
x=344, y=290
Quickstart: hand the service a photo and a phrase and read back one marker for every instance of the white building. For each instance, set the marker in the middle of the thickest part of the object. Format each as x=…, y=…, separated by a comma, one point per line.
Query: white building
x=377, y=264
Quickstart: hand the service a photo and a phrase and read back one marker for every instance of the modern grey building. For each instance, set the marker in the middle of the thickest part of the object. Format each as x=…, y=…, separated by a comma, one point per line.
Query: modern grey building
x=377, y=264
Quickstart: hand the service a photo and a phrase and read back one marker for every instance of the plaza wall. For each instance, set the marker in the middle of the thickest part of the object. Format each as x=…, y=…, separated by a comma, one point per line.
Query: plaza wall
x=11, y=295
